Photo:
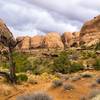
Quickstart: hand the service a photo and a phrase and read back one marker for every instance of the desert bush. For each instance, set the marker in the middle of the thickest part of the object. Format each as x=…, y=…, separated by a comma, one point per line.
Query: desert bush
x=86, y=75
x=35, y=96
x=97, y=46
x=98, y=80
x=75, y=78
x=32, y=81
x=56, y=83
x=61, y=63
x=88, y=54
x=68, y=86
x=21, y=62
x=96, y=65
x=22, y=77
x=40, y=65
x=75, y=67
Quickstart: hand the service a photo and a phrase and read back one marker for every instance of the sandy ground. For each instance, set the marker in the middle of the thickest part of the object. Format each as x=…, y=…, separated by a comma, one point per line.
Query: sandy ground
x=82, y=87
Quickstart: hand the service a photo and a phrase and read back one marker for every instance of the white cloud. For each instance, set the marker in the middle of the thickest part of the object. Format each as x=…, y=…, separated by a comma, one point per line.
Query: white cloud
x=30, y=17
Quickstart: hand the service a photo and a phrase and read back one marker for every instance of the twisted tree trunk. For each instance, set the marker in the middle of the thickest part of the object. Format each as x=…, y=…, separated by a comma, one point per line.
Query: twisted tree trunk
x=12, y=67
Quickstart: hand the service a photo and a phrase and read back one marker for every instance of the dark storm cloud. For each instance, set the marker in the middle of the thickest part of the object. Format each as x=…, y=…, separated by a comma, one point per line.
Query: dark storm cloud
x=30, y=17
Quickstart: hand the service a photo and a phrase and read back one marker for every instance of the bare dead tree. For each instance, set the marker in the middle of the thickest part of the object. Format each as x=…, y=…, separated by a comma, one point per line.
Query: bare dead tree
x=10, y=44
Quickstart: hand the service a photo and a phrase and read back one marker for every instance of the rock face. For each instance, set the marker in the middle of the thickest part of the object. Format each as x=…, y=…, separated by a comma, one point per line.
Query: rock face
x=91, y=26
x=70, y=39
x=37, y=42
x=26, y=43
x=53, y=40
x=6, y=35
x=90, y=32
x=19, y=46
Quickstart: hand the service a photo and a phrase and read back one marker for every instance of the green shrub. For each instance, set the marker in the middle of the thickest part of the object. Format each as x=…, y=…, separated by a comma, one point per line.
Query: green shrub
x=97, y=46
x=40, y=65
x=87, y=75
x=22, y=77
x=88, y=54
x=60, y=63
x=57, y=83
x=96, y=65
x=74, y=67
x=21, y=62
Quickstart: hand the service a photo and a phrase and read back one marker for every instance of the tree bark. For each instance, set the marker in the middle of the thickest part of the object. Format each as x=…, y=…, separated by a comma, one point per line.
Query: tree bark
x=12, y=67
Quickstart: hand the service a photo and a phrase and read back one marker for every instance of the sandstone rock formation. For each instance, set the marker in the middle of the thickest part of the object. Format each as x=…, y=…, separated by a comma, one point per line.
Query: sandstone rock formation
x=19, y=46
x=70, y=39
x=90, y=32
x=76, y=38
x=26, y=43
x=53, y=40
x=5, y=34
x=37, y=42
x=91, y=26
x=50, y=40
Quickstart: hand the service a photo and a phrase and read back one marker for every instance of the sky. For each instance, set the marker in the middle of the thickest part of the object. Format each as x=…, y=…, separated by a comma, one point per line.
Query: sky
x=32, y=17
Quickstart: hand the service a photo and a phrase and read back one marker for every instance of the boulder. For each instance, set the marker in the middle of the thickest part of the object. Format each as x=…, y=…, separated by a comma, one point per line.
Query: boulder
x=90, y=32
x=19, y=46
x=67, y=38
x=37, y=42
x=26, y=43
x=53, y=40
x=5, y=35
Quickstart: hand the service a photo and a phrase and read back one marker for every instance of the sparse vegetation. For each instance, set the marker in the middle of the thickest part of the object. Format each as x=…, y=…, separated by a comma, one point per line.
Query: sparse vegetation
x=56, y=83
x=35, y=96
x=75, y=67
x=75, y=78
x=87, y=75
x=61, y=63
x=98, y=80
x=96, y=65
x=97, y=46
x=68, y=86
x=22, y=77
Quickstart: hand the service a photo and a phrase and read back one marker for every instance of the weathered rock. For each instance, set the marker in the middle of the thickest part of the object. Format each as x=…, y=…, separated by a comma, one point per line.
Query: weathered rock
x=5, y=35
x=90, y=32
x=19, y=46
x=26, y=43
x=68, y=39
x=53, y=40
x=37, y=42
x=76, y=38
x=91, y=26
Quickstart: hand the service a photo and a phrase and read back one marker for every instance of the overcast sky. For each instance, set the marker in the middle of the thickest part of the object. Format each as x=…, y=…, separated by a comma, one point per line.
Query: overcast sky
x=31, y=17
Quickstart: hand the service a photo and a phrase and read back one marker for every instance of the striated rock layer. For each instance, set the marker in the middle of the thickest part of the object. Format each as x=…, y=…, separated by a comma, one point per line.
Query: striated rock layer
x=25, y=45
x=90, y=32
x=5, y=35
x=53, y=40
x=37, y=42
